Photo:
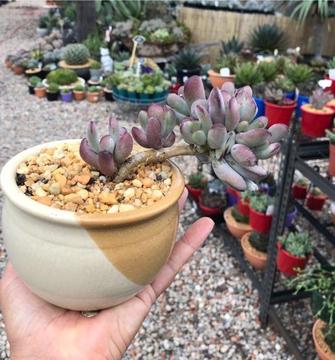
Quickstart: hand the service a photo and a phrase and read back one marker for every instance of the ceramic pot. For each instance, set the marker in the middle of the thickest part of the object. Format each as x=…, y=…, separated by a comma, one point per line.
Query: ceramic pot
x=40, y=92
x=207, y=211
x=79, y=95
x=288, y=263
x=331, y=161
x=321, y=347
x=315, y=202
x=86, y=261
x=260, y=222
x=93, y=97
x=299, y=192
x=218, y=80
x=195, y=193
x=256, y=258
x=66, y=97
x=31, y=90
x=260, y=107
x=52, y=96
x=314, y=122
x=237, y=229
x=278, y=114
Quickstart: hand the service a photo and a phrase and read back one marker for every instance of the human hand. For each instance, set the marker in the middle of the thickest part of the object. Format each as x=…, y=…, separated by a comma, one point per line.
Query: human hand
x=39, y=330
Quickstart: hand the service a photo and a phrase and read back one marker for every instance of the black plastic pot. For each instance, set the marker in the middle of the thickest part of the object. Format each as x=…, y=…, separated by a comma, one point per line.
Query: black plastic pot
x=108, y=95
x=52, y=96
x=187, y=72
x=31, y=90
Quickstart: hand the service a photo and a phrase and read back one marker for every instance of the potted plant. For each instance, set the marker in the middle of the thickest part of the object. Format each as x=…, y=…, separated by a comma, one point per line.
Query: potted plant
x=320, y=282
x=196, y=183
x=63, y=78
x=243, y=202
x=86, y=212
x=294, y=250
x=254, y=246
x=95, y=71
x=261, y=210
x=283, y=83
x=93, y=94
x=123, y=91
x=299, y=189
x=149, y=92
x=237, y=223
x=66, y=94
x=224, y=70
x=52, y=92
x=212, y=199
x=187, y=63
x=40, y=90
x=131, y=93
x=79, y=92
x=315, y=199
x=108, y=91
x=18, y=66
x=331, y=161
x=32, y=82
x=33, y=68
x=278, y=108
x=43, y=26
x=316, y=116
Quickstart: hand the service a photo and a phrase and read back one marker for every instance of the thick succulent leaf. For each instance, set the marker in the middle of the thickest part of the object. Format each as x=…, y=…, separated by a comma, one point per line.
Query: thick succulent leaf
x=87, y=154
x=278, y=132
x=186, y=131
x=169, y=140
x=232, y=115
x=178, y=104
x=248, y=106
x=168, y=122
x=194, y=90
x=201, y=102
x=156, y=111
x=259, y=123
x=253, y=138
x=265, y=152
x=203, y=115
x=216, y=106
x=107, y=165
x=243, y=155
x=107, y=143
x=140, y=137
x=242, y=126
x=228, y=175
x=154, y=137
x=124, y=148
x=199, y=138
x=230, y=141
x=113, y=129
x=229, y=87
x=143, y=119
x=244, y=91
x=216, y=136
x=92, y=136
x=254, y=173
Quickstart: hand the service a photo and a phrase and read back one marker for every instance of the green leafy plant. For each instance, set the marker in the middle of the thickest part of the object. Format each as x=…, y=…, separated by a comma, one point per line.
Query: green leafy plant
x=230, y=61
x=299, y=74
x=65, y=90
x=79, y=88
x=315, y=191
x=259, y=241
x=248, y=74
x=233, y=45
x=76, y=54
x=260, y=202
x=197, y=180
x=297, y=244
x=53, y=88
x=95, y=65
x=94, y=42
x=282, y=63
x=34, y=80
x=331, y=63
x=240, y=218
x=62, y=77
x=268, y=70
x=39, y=85
x=187, y=59
x=267, y=38
x=302, y=182
x=93, y=89
x=283, y=83
x=320, y=98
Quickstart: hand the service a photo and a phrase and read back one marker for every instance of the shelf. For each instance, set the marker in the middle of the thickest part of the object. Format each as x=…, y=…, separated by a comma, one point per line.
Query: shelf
x=314, y=150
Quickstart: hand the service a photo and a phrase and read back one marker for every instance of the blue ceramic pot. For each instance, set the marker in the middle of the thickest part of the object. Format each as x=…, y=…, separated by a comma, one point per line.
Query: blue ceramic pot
x=260, y=106
x=302, y=99
x=66, y=97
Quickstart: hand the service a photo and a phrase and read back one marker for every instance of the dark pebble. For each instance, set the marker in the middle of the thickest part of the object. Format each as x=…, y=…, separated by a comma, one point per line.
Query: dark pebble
x=159, y=177
x=20, y=179
x=28, y=192
x=44, y=181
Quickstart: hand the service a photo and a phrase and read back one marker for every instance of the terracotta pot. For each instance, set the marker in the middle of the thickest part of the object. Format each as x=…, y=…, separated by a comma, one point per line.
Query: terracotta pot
x=243, y=207
x=237, y=229
x=86, y=261
x=40, y=92
x=79, y=95
x=279, y=114
x=195, y=193
x=288, y=263
x=260, y=222
x=218, y=80
x=18, y=70
x=321, y=347
x=256, y=258
x=93, y=97
x=314, y=122
x=315, y=202
x=331, y=161
x=299, y=192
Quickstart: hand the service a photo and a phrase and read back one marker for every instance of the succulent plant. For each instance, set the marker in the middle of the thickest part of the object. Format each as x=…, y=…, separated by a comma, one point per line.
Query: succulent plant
x=261, y=202
x=197, y=180
x=320, y=98
x=108, y=153
x=299, y=74
x=34, y=80
x=268, y=70
x=276, y=96
x=298, y=244
x=230, y=61
x=95, y=65
x=267, y=38
x=238, y=216
x=62, y=77
x=76, y=54
x=53, y=88
x=259, y=241
x=233, y=45
x=93, y=89
x=248, y=74
x=187, y=59
x=214, y=195
x=79, y=88
x=315, y=191
x=331, y=63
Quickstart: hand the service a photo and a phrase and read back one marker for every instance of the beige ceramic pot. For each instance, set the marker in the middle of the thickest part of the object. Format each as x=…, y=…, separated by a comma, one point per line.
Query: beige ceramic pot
x=90, y=261
x=321, y=347
x=237, y=229
x=256, y=258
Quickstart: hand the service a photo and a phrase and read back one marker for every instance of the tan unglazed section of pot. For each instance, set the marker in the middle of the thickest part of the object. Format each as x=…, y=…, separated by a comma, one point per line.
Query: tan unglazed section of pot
x=237, y=229
x=256, y=258
x=321, y=347
x=86, y=262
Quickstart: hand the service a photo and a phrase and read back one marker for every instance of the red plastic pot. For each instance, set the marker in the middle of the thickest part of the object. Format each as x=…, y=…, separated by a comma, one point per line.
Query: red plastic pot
x=331, y=164
x=260, y=222
x=299, y=192
x=315, y=122
x=243, y=206
x=288, y=263
x=195, y=193
x=207, y=211
x=279, y=114
x=315, y=202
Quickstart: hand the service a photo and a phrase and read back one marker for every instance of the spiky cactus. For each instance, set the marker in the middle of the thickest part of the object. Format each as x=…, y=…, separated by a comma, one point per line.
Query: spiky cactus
x=220, y=130
x=76, y=54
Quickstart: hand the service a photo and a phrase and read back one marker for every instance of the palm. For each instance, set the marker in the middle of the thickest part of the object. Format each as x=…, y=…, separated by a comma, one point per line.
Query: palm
x=36, y=328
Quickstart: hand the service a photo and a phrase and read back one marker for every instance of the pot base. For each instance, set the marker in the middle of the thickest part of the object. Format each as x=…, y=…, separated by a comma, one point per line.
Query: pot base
x=321, y=347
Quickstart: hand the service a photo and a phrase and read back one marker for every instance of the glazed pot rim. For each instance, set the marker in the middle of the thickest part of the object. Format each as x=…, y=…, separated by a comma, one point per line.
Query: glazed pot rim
x=28, y=205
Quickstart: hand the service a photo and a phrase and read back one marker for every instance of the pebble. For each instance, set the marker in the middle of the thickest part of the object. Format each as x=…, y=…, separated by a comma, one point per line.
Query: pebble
x=147, y=182
x=126, y=207
x=55, y=188
x=73, y=198
x=129, y=193
x=137, y=183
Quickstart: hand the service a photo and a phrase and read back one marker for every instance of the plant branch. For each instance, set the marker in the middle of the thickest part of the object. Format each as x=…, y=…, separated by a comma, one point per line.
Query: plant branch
x=151, y=156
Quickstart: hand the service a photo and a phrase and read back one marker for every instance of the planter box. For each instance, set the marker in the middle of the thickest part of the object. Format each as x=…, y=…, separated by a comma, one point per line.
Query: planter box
x=256, y=258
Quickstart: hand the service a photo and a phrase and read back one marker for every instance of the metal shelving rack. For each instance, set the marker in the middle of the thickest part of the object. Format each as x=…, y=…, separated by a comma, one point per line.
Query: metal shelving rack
x=294, y=156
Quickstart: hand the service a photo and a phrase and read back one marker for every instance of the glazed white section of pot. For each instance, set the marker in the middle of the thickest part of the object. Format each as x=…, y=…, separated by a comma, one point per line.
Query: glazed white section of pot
x=61, y=263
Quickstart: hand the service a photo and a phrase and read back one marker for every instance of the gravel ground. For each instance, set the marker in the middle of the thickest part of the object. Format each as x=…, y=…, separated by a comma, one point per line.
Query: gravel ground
x=210, y=311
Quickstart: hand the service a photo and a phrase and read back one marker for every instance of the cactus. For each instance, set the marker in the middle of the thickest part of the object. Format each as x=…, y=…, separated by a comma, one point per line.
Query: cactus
x=320, y=98
x=259, y=241
x=76, y=54
x=197, y=180
x=108, y=153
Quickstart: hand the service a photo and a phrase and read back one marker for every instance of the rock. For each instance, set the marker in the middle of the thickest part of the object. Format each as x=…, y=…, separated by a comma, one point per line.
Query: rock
x=129, y=193
x=61, y=179
x=108, y=198
x=126, y=207
x=147, y=182
x=73, y=198
x=167, y=181
x=44, y=200
x=113, y=210
x=83, y=194
x=157, y=194
x=40, y=192
x=82, y=179
x=55, y=188
x=137, y=183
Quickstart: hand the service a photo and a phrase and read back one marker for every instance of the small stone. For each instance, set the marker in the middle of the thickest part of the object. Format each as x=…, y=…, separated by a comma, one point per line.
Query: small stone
x=61, y=179
x=157, y=194
x=54, y=188
x=137, y=183
x=90, y=208
x=20, y=179
x=126, y=207
x=59, y=154
x=167, y=181
x=144, y=198
x=23, y=169
x=113, y=210
x=40, y=192
x=129, y=193
x=166, y=168
x=73, y=198
x=147, y=182
x=83, y=194
x=71, y=206
x=44, y=200
x=82, y=179
x=108, y=198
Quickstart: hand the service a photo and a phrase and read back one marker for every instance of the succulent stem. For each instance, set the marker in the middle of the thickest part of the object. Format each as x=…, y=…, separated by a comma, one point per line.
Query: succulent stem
x=152, y=156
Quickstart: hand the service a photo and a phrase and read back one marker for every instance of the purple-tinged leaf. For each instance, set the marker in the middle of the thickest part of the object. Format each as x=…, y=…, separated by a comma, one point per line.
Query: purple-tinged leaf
x=228, y=175
x=216, y=106
x=194, y=90
x=186, y=131
x=169, y=140
x=229, y=87
x=261, y=122
x=87, y=154
x=140, y=137
x=203, y=115
x=156, y=111
x=92, y=136
x=124, y=148
x=242, y=126
x=243, y=155
x=168, y=122
x=253, y=138
x=113, y=128
x=154, y=137
x=254, y=173
x=278, y=132
x=201, y=102
x=267, y=151
x=247, y=104
x=107, y=143
x=178, y=104
x=216, y=136
x=232, y=115
x=107, y=165
x=143, y=119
